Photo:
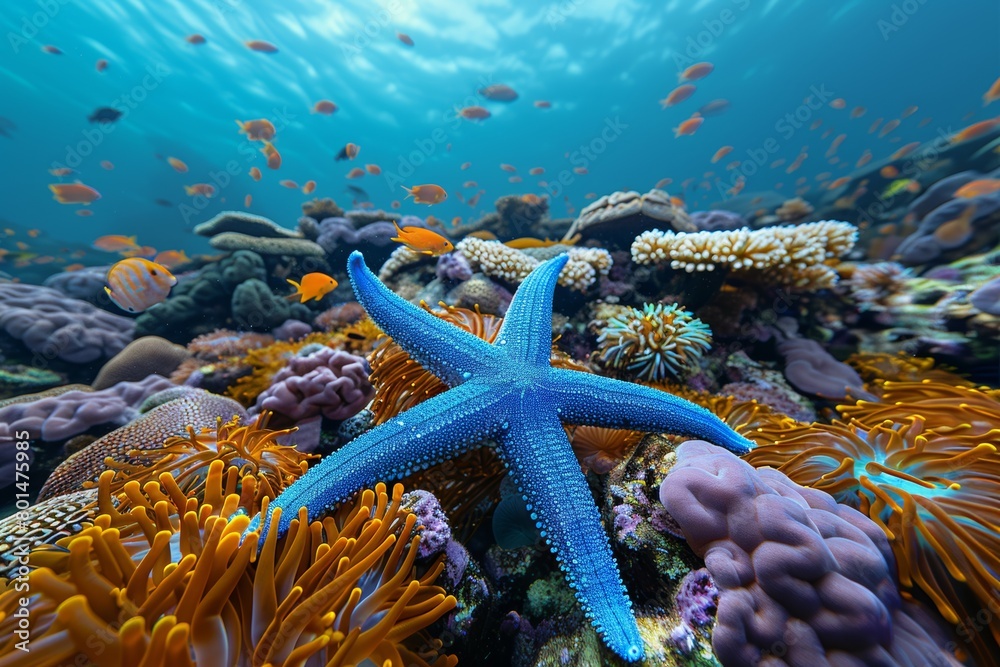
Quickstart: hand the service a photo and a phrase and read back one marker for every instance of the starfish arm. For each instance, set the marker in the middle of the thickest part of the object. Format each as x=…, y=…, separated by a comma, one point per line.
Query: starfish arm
x=548, y=476
x=526, y=332
x=443, y=349
x=599, y=401
x=438, y=429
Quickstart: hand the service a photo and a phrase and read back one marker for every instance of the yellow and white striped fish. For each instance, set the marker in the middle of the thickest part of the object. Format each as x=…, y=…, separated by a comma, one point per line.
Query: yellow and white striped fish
x=136, y=284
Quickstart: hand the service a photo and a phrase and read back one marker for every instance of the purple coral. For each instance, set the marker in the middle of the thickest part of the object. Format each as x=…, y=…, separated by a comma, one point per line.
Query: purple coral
x=710, y=221
x=340, y=232
x=453, y=266
x=292, y=329
x=326, y=382
x=435, y=532
x=697, y=598
x=802, y=580
x=53, y=325
x=813, y=370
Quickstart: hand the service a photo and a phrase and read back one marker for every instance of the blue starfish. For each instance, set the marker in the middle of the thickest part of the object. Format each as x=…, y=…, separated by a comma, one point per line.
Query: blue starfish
x=508, y=392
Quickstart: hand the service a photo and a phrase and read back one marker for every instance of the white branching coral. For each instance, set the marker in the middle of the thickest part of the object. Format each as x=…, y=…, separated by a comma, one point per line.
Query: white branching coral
x=795, y=256
x=511, y=265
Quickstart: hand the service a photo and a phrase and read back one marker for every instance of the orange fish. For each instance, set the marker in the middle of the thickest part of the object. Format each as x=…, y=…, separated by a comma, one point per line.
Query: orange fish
x=677, y=95
x=543, y=104
x=146, y=251
x=721, y=153
x=835, y=144
x=54, y=50
x=136, y=284
x=199, y=189
x=84, y=212
x=291, y=185
x=581, y=170
x=395, y=204
x=309, y=187
x=171, y=258
x=840, y=182
x=696, y=71
x=838, y=103
x=325, y=107
x=21, y=245
x=313, y=286
x=473, y=113
x=474, y=199
x=465, y=165
x=924, y=121
x=816, y=123
x=61, y=171
x=357, y=172
x=889, y=171
x=255, y=173
x=456, y=221
x=426, y=194
x=858, y=112
x=975, y=130
x=590, y=195
x=273, y=156
x=508, y=167
x=421, y=240
x=257, y=130
x=348, y=152
x=977, y=188
x=737, y=187
x=733, y=165
x=178, y=165
x=889, y=127
x=404, y=38
x=663, y=182
x=194, y=39
x=993, y=94
x=115, y=243
x=906, y=150
x=689, y=127
x=956, y=232
x=874, y=125
x=514, y=179
x=74, y=193
x=373, y=169
x=33, y=233
x=865, y=158
x=261, y=46
x=107, y=164
x=909, y=111
x=101, y=65
x=536, y=171
x=69, y=268
x=470, y=184
x=247, y=201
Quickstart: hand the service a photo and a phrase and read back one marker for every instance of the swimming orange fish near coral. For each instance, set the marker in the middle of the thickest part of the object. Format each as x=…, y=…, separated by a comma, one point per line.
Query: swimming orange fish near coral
x=426, y=194
x=74, y=193
x=423, y=241
x=312, y=286
x=137, y=284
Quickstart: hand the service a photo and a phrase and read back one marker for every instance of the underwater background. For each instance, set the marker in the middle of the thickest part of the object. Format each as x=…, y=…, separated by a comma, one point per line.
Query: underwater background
x=429, y=333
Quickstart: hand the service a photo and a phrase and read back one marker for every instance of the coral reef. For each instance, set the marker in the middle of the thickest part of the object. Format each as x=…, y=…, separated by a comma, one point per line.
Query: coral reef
x=794, y=210
x=512, y=266
x=148, y=355
x=616, y=219
x=715, y=220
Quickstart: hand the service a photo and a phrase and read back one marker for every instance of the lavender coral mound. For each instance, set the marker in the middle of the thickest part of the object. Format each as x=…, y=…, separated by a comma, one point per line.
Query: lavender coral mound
x=326, y=382
x=86, y=284
x=803, y=580
x=710, y=221
x=54, y=325
x=55, y=418
x=338, y=232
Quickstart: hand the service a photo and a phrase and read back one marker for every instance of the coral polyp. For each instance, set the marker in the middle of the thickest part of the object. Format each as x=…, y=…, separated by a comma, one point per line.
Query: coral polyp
x=654, y=343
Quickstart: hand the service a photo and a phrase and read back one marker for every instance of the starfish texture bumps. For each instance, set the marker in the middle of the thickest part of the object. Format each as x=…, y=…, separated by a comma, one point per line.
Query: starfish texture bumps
x=507, y=392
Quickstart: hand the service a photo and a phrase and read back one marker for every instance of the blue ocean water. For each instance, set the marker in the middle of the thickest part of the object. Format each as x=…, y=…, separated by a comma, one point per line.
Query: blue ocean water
x=603, y=65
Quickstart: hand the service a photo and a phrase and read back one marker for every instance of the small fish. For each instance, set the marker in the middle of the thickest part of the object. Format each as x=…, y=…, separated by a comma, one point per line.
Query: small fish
x=357, y=192
x=905, y=150
x=975, y=130
x=69, y=268
x=465, y=165
x=261, y=46
x=889, y=127
x=309, y=187
x=101, y=65
x=194, y=39
x=107, y=164
x=146, y=251
x=325, y=107
x=473, y=113
x=115, y=243
x=84, y=212
x=499, y=92
x=404, y=38
x=247, y=201
x=257, y=130
x=61, y=171
x=348, y=152
x=536, y=171
x=426, y=194
x=470, y=184
x=33, y=233
x=291, y=185
x=373, y=169
x=956, y=232
x=54, y=50
x=689, y=126
x=865, y=158
x=199, y=189
x=313, y=286
x=178, y=165
x=816, y=123
x=272, y=154
x=721, y=153
x=993, y=94
x=543, y=104
x=104, y=115
x=840, y=182
x=357, y=172
x=909, y=111
x=474, y=199
x=696, y=71
x=171, y=258
x=395, y=204
x=136, y=284
x=531, y=242
x=255, y=173
x=663, y=182
x=874, y=125
x=423, y=241
x=838, y=103
x=590, y=195
x=858, y=112
x=978, y=188
x=74, y=193
x=583, y=171
x=889, y=171
x=166, y=203
x=900, y=186
x=677, y=95
x=713, y=108
x=514, y=179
